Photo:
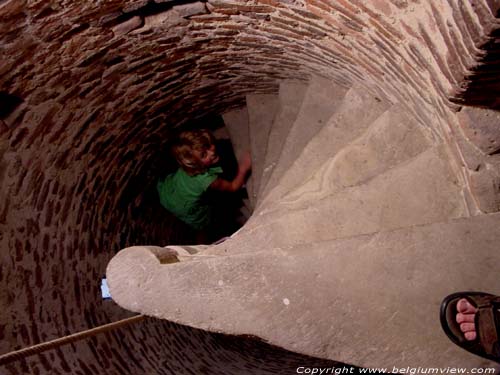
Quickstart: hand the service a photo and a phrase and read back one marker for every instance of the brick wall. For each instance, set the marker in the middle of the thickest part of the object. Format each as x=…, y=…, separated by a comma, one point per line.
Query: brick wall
x=91, y=91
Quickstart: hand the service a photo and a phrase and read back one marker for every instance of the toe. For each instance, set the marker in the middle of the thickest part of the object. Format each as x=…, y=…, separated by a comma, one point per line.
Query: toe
x=464, y=306
x=469, y=336
x=467, y=327
x=465, y=318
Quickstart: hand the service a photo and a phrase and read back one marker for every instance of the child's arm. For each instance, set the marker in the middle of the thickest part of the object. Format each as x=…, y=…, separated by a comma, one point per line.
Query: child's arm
x=239, y=180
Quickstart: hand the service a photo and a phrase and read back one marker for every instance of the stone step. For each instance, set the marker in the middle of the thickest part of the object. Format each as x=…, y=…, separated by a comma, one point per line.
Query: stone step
x=221, y=133
x=390, y=140
x=262, y=109
x=371, y=301
x=355, y=114
x=420, y=191
x=237, y=125
x=291, y=96
x=322, y=99
x=480, y=153
x=246, y=209
x=236, y=122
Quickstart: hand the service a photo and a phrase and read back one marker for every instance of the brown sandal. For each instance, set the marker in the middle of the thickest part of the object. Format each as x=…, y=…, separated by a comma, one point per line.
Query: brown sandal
x=487, y=321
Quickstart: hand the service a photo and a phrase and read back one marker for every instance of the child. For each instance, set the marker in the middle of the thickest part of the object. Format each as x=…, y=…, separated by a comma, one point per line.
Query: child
x=183, y=192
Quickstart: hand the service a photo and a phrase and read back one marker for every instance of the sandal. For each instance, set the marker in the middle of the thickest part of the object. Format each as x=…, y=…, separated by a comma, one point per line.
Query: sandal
x=487, y=321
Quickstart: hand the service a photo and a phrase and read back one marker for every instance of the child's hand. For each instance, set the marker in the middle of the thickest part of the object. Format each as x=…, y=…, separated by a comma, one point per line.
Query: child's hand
x=243, y=167
x=246, y=162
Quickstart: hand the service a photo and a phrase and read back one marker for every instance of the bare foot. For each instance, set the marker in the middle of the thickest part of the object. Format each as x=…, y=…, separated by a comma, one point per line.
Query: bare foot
x=465, y=317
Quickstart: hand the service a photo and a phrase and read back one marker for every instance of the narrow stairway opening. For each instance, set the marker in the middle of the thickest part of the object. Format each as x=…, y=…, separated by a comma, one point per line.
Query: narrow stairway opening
x=228, y=210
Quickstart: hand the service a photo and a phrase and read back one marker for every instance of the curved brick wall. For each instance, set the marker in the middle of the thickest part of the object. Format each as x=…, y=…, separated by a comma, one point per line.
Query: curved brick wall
x=90, y=92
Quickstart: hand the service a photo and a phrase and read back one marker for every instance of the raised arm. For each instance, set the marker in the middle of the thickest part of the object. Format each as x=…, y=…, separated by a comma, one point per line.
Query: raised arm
x=236, y=184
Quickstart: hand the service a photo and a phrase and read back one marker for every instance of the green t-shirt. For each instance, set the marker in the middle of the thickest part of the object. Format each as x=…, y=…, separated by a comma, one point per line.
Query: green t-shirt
x=182, y=195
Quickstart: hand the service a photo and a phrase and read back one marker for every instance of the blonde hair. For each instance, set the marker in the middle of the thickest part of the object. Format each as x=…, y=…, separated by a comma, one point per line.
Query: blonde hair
x=185, y=146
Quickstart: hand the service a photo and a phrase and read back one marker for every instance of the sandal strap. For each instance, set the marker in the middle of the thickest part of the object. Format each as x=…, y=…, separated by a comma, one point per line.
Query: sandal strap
x=482, y=301
x=487, y=329
x=487, y=321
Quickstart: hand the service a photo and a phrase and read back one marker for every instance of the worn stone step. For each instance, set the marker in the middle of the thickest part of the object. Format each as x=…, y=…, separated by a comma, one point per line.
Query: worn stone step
x=236, y=122
x=291, y=96
x=246, y=209
x=475, y=144
x=262, y=109
x=420, y=191
x=390, y=140
x=357, y=111
x=321, y=101
x=371, y=301
x=221, y=133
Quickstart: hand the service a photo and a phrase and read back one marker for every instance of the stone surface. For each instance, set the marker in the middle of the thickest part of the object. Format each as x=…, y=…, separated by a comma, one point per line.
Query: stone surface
x=291, y=96
x=191, y=9
x=473, y=158
x=371, y=300
x=164, y=20
x=262, y=110
x=421, y=190
x=390, y=140
x=321, y=100
x=221, y=133
x=485, y=185
x=482, y=128
x=236, y=123
x=481, y=170
x=355, y=113
x=127, y=26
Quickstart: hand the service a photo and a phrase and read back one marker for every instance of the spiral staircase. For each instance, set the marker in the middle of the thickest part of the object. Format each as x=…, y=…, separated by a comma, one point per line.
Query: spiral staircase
x=360, y=227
